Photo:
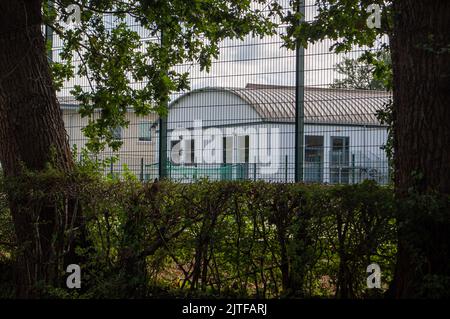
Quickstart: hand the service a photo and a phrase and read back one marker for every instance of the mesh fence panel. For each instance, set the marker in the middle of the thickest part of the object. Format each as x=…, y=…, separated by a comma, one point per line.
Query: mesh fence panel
x=238, y=121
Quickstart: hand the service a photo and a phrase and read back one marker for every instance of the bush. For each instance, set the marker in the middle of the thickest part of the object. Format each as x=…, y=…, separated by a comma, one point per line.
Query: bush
x=6, y=249
x=232, y=239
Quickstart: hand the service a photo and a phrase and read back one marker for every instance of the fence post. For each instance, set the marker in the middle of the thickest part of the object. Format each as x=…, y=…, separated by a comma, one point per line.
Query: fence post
x=353, y=170
x=286, y=169
x=299, y=102
x=141, y=175
x=162, y=163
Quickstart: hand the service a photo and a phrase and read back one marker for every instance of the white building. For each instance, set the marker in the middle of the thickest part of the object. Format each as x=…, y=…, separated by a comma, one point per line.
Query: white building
x=249, y=133
x=138, y=141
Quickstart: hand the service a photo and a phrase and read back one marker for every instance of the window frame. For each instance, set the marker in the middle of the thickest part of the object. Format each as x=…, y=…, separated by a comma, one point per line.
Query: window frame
x=115, y=136
x=141, y=138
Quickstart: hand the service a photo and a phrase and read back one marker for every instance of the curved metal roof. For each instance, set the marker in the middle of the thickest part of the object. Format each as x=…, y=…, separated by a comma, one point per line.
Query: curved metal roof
x=322, y=105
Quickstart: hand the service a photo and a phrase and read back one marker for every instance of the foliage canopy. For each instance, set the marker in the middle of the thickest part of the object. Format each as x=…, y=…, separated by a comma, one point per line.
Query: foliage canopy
x=120, y=43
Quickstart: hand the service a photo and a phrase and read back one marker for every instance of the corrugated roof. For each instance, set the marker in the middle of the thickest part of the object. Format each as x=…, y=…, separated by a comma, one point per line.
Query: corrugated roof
x=322, y=105
x=277, y=103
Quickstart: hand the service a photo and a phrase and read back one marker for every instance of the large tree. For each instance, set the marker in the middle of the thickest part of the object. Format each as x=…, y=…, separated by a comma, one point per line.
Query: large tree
x=421, y=68
x=32, y=134
x=419, y=41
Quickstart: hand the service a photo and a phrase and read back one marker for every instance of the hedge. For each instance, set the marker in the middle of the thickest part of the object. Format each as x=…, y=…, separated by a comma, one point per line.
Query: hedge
x=225, y=239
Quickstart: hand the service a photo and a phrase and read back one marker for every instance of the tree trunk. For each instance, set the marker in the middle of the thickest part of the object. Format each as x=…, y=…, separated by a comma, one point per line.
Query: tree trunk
x=32, y=134
x=421, y=65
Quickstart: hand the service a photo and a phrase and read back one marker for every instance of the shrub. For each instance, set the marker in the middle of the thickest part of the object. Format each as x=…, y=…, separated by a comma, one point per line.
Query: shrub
x=230, y=239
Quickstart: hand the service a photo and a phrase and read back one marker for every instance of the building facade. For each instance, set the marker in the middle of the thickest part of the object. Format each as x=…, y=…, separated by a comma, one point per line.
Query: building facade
x=249, y=133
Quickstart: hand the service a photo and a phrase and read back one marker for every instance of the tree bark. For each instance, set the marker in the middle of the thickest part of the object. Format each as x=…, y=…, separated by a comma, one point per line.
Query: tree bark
x=32, y=135
x=421, y=64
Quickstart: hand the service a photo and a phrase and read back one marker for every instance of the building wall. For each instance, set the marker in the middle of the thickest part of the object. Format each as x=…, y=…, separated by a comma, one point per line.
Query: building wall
x=233, y=117
x=276, y=162
x=271, y=155
x=133, y=152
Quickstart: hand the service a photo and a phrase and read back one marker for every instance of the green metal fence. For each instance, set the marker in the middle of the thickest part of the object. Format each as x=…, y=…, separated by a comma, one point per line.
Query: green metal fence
x=327, y=133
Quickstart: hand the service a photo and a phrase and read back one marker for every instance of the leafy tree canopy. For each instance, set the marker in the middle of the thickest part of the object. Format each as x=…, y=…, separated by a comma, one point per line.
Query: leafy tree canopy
x=359, y=74
x=344, y=22
x=123, y=42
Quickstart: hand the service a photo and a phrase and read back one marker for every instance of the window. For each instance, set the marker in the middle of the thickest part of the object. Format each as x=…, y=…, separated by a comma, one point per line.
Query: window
x=340, y=160
x=189, y=153
x=145, y=131
x=243, y=149
x=243, y=157
x=313, y=159
x=117, y=133
x=227, y=155
x=226, y=172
